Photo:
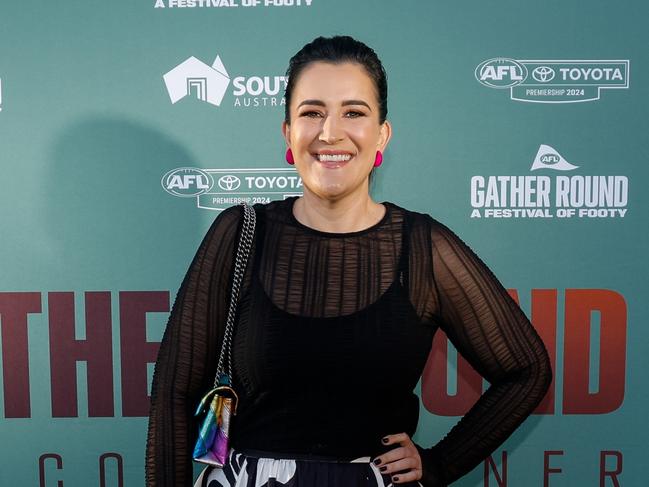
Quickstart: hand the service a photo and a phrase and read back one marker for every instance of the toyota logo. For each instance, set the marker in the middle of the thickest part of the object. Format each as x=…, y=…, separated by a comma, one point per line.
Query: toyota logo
x=229, y=182
x=543, y=74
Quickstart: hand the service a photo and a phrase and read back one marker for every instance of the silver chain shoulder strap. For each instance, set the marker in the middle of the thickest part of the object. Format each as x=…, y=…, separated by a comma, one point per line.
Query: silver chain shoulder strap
x=241, y=260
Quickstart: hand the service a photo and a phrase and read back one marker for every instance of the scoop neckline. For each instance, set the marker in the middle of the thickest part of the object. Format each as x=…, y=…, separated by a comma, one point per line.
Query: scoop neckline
x=296, y=222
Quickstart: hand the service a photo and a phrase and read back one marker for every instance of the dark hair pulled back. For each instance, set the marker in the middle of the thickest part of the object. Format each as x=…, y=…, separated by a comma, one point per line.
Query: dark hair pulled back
x=337, y=50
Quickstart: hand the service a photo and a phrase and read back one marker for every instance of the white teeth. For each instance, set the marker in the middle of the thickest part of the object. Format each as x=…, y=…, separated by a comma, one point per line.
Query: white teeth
x=334, y=157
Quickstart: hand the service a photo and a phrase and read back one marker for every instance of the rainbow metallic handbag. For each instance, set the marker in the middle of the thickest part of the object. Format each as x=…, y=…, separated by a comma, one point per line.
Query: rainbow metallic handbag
x=220, y=403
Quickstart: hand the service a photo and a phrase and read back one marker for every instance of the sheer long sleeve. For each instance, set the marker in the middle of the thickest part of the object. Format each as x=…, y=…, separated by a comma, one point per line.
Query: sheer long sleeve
x=186, y=361
x=490, y=330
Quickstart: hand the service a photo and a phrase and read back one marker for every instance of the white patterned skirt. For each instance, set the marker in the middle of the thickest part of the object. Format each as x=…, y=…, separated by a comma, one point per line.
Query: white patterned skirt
x=254, y=469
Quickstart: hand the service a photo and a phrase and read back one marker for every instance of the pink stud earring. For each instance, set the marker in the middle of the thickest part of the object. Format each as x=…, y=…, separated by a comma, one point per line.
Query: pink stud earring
x=378, y=159
x=289, y=156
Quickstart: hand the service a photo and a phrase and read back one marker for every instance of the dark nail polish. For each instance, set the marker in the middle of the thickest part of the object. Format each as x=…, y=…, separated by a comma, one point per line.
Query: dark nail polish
x=377, y=461
x=384, y=440
x=383, y=468
x=395, y=479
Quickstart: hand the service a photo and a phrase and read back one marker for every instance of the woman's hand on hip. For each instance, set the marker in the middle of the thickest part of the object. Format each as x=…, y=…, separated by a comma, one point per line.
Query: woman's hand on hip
x=404, y=459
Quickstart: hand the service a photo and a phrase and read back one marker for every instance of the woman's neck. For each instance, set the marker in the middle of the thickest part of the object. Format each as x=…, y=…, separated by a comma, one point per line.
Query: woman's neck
x=349, y=214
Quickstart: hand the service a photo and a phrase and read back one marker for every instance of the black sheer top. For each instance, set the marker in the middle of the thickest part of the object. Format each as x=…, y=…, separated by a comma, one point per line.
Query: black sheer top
x=331, y=339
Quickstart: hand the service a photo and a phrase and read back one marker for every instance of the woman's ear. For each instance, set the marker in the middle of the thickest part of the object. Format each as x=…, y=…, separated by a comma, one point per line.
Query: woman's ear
x=384, y=135
x=286, y=131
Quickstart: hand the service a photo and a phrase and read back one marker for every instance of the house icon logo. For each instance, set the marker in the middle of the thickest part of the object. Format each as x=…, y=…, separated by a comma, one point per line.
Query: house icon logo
x=208, y=83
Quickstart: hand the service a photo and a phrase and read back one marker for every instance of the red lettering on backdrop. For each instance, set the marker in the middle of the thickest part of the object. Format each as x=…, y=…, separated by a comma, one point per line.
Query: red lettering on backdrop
x=547, y=470
x=96, y=350
x=136, y=351
x=577, y=400
x=500, y=480
x=41, y=468
x=102, y=469
x=612, y=360
x=14, y=308
x=603, y=473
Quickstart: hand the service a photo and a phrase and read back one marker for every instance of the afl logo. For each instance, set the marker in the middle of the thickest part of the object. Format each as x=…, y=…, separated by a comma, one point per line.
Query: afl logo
x=187, y=182
x=550, y=159
x=500, y=73
x=229, y=182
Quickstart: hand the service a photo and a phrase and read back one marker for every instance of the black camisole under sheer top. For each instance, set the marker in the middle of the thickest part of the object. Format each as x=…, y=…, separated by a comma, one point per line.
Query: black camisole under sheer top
x=328, y=385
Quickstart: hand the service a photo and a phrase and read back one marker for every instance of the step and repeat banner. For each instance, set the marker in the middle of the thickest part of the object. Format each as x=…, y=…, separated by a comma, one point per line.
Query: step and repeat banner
x=127, y=125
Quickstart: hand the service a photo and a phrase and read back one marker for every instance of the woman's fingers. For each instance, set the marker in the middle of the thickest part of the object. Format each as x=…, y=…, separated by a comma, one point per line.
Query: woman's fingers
x=410, y=476
x=391, y=456
x=404, y=459
x=391, y=439
x=398, y=466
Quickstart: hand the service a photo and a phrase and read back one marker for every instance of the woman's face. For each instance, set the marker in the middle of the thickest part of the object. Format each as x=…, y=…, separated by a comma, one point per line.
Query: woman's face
x=334, y=131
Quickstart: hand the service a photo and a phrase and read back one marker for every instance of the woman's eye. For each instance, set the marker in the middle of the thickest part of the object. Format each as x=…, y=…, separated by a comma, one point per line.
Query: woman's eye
x=349, y=114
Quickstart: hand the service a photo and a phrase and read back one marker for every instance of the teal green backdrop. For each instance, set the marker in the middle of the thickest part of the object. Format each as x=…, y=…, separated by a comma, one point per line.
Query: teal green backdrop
x=126, y=125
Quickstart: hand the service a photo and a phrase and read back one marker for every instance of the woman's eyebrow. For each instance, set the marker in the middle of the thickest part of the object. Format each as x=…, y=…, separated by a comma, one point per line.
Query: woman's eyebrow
x=345, y=103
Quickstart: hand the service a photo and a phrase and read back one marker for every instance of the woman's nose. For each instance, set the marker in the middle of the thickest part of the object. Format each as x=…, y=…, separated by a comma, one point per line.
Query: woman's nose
x=330, y=132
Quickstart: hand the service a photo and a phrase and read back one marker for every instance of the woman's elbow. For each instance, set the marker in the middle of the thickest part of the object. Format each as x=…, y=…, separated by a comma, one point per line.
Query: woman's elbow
x=542, y=373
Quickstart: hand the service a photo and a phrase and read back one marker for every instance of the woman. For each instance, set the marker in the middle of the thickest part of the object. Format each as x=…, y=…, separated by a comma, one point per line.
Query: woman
x=341, y=298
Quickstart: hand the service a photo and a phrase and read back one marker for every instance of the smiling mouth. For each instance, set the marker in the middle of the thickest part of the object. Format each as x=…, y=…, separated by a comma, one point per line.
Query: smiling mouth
x=333, y=161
